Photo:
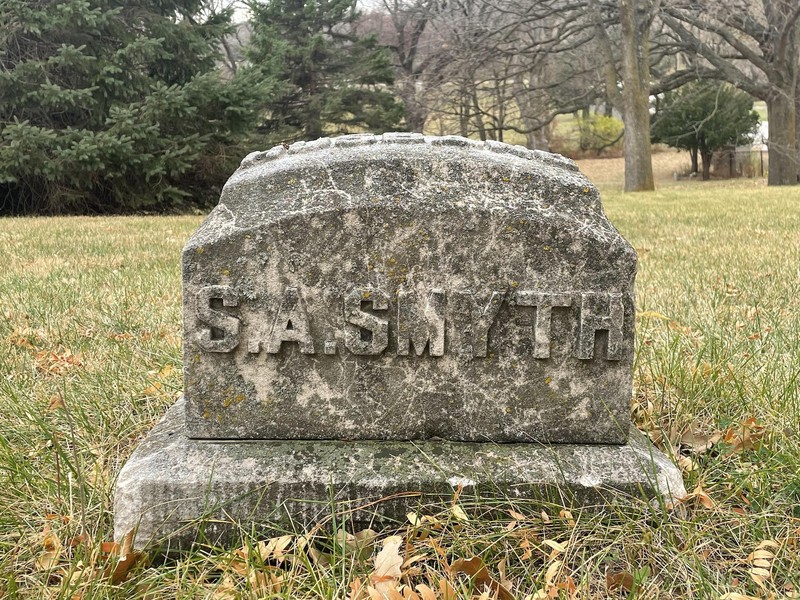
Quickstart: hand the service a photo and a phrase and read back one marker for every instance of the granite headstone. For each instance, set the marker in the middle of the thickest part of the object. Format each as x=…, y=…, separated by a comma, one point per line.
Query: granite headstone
x=349, y=294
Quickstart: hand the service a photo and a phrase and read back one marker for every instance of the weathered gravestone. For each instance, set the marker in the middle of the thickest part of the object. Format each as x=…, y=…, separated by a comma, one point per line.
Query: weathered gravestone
x=368, y=315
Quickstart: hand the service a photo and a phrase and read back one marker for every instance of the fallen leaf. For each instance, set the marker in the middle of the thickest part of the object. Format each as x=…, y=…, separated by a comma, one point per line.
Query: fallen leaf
x=357, y=590
x=20, y=340
x=446, y=590
x=569, y=586
x=557, y=548
x=479, y=575
x=697, y=441
x=761, y=562
x=459, y=513
x=552, y=572
x=123, y=558
x=414, y=559
x=425, y=592
x=621, y=580
x=153, y=390
x=56, y=403
x=48, y=560
x=567, y=516
x=388, y=563
x=526, y=547
x=409, y=594
x=749, y=435
x=504, y=580
x=51, y=550
x=56, y=363
x=266, y=582
x=686, y=464
x=226, y=589
x=699, y=495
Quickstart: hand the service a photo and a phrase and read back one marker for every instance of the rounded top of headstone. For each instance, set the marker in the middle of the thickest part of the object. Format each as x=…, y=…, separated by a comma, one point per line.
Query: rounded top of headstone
x=404, y=171
x=404, y=139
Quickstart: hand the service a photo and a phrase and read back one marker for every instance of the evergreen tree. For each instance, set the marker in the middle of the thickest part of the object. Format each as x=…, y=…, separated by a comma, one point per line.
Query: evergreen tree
x=702, y=117
x=332, y=80
x=115, y=104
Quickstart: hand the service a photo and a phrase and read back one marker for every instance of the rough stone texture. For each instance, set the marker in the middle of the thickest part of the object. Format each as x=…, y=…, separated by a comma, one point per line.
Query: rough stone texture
x=171, y=482
x=406, y=287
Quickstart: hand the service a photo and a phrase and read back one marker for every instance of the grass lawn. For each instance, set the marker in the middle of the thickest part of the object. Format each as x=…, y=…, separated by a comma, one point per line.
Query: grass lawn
x=90, y=358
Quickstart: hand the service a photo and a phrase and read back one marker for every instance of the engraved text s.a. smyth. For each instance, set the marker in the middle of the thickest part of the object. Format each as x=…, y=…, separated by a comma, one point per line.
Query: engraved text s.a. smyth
x=419, y=320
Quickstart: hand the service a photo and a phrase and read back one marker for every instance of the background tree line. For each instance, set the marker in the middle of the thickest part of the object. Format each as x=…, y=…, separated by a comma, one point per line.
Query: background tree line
x=132, y=105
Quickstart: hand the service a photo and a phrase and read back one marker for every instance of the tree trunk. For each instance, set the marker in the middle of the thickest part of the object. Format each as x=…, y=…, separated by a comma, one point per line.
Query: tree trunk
x=693, y=155
x=538, y=139
x=636, y=99
x=464, y=116
x=783, y=163
x=478, y=116
x=797, y=123
x=416, y=112
x=797, y=126
x=706, y=156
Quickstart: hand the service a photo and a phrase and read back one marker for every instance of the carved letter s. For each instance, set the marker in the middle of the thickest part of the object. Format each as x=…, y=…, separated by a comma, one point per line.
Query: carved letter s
x=225, y=327
x=376, y=329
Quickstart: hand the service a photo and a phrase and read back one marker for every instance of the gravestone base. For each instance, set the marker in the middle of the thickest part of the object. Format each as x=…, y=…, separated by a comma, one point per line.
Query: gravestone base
x=184, y=490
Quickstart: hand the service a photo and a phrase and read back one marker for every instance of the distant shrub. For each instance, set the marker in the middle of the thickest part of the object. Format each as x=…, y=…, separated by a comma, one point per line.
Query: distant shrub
x=598, y=133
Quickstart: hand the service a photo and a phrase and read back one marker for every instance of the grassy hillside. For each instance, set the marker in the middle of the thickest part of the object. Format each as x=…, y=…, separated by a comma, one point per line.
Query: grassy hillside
x=90, y=358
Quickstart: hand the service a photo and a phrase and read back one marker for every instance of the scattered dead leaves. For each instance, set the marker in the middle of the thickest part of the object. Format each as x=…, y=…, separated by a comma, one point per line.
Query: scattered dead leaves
x=158, y=378
x=50, y=554
x=625, y=581
x=697, y=439
x=56, y=363
x=27, y=338
x=109, y=561
x=360, y=545
x=749, y=435
x=56, y=403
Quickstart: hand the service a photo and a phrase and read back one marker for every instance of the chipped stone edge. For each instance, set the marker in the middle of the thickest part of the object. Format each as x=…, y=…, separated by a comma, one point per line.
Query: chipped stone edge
x=401, y=138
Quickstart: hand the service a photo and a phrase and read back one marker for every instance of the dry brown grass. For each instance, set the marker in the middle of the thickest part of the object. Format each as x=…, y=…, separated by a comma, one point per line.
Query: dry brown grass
x=607, y=173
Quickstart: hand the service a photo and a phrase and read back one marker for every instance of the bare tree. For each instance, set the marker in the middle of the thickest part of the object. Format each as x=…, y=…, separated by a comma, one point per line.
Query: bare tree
x=405, y=27
x=753, y=44
x=485, y=67
x=635, y=18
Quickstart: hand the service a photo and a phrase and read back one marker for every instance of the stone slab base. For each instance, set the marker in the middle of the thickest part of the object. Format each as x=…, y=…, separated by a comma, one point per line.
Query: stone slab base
x=177, y=490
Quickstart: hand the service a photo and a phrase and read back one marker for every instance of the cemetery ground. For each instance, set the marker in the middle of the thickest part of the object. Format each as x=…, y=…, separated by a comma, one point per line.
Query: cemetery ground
x=90, y=358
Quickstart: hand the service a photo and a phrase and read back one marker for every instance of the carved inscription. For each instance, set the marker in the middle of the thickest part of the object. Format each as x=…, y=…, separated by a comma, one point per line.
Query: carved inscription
x=291, y=324
x=544, y=304
x=480, y=313
x=593, y=320
x=222, y=334
x=365, y=333
x=421, y=321
x=420, y=327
